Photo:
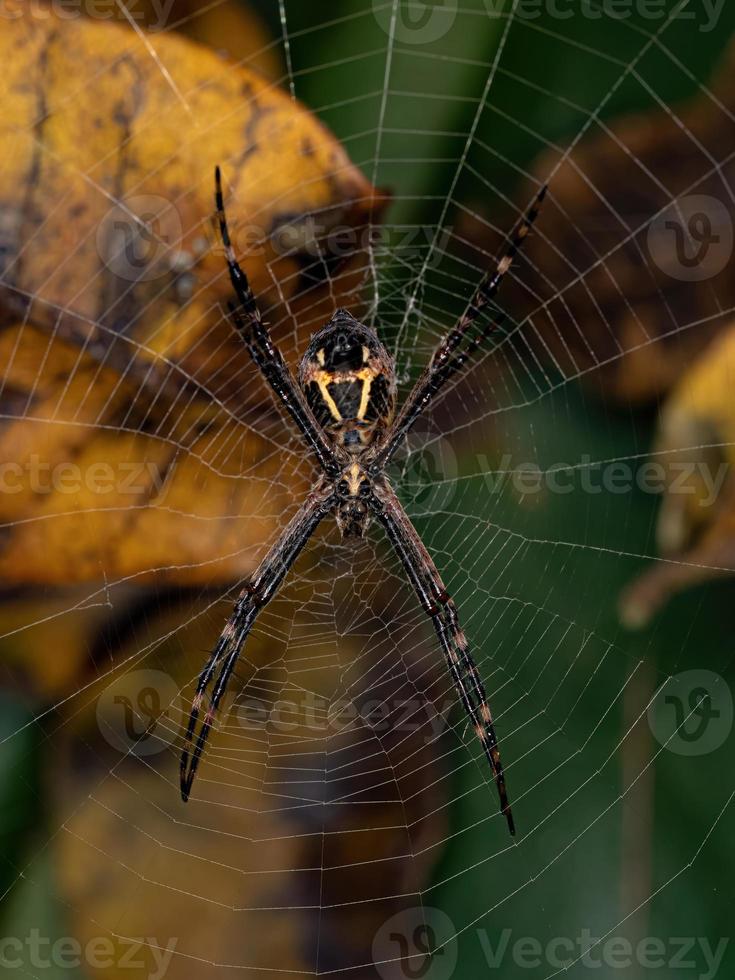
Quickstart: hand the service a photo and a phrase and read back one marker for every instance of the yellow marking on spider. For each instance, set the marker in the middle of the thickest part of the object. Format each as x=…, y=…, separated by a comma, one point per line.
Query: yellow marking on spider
x=365, y=375
x=354, y=479
x=367, y=383
x=324, y=391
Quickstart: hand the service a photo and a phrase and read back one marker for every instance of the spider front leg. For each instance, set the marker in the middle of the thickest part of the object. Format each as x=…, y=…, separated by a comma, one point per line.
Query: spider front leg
x=249, y=324
x=256, y=594
x=447, y=359
x=440, y=607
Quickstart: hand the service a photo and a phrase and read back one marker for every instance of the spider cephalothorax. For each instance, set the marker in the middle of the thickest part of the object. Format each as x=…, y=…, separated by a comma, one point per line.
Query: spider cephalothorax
x=344, y=407
x=350, y=383
x=352, y=512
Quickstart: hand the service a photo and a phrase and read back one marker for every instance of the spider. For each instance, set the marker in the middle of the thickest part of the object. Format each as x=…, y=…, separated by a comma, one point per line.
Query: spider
x=344, y=405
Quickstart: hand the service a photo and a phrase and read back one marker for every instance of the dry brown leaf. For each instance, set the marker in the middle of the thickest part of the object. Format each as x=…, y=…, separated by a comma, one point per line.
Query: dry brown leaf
x=226, y=25
x=696, y=447
x=117, y=358
x=603, y=280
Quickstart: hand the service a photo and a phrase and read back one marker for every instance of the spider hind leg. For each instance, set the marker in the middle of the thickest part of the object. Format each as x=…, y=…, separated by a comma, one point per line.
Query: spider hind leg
x=467, y=680
x=255, y=594
x=440, y=607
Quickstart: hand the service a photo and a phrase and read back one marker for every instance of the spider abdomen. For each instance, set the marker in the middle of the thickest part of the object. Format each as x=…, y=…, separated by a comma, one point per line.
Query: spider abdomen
x=349, y=382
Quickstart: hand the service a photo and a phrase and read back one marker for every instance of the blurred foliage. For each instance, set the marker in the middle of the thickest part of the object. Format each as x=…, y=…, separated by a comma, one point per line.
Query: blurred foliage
x=105, y=360
x=19, y=785
x=695, y=524
x=406, y=119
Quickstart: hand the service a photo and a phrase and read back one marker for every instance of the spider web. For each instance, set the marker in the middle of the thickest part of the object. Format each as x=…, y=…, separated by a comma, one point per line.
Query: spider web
x=343, y=819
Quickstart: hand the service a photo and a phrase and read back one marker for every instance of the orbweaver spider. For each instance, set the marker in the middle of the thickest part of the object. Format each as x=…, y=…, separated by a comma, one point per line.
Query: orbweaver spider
x=344, y=405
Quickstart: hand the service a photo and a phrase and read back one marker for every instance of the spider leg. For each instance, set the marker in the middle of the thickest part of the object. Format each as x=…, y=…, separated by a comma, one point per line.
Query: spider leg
x=446, y=360
x=249, y=324
x=440, y=607
x=256, y=594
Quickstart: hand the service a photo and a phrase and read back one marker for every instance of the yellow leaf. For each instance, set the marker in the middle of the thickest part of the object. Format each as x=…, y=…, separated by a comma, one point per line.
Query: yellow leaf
x=132, y=413
x=695, y=446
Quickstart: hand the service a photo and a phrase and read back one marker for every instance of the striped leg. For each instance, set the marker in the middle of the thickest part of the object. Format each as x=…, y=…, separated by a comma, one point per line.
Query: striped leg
x=259, y=591
x=447, y=361
x=439, y=606
x=249, y=324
